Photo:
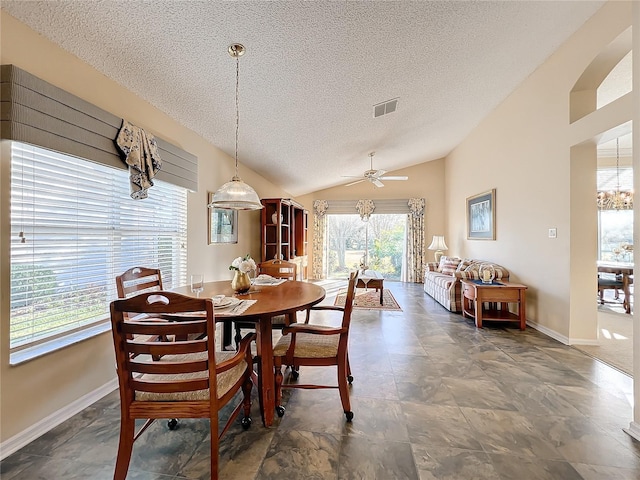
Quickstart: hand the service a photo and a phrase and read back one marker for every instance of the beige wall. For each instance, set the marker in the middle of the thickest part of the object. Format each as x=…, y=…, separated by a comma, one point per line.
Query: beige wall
x=425, y=181
x=34, y=390
x=523, y=150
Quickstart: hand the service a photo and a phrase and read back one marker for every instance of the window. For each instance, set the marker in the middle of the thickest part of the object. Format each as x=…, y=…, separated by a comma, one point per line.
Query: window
x=74, y=228
x=616, y=235
x=380, y=242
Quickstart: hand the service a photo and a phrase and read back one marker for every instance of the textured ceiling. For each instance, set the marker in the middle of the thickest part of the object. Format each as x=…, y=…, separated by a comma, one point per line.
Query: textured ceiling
x=314, y=70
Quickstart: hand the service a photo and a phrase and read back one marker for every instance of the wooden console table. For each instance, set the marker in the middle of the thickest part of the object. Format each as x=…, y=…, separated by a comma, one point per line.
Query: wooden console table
x=475, y=295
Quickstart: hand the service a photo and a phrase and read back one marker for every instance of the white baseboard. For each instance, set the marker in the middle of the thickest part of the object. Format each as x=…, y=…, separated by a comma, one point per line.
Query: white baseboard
x=38, y=429
x=583, y=341
x=548, y=332
x=633, y=430
x=562, y=338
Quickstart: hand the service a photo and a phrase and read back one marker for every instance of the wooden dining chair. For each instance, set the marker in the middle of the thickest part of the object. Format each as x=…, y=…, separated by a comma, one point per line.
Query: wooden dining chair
x=617, y=283
x=281, y=269
x=277, y=269
x=609, y=282
x=307, y=344
x=190, y=380
x=138, y=280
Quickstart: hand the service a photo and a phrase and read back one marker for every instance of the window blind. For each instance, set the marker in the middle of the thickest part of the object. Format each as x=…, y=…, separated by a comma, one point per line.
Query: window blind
x=74, y=228
x=39, y=113
x=608, y=178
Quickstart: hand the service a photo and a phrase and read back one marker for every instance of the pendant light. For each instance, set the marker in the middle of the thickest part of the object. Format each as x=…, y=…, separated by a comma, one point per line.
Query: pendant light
x=236, y=195
x=621, y=199
x=617, y=199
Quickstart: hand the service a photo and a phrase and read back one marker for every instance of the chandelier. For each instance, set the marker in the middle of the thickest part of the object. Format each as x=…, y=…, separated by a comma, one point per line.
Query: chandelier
x=236, y=195
x=618, y=199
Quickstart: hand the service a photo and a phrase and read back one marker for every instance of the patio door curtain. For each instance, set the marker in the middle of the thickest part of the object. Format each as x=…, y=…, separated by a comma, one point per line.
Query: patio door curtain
x=319, y=237
x=415, y=241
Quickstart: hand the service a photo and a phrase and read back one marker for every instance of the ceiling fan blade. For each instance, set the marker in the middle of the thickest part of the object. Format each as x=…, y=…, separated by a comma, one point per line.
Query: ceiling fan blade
x=401, y=177
x=379, y=173
x=353, y=183
x=377, y=182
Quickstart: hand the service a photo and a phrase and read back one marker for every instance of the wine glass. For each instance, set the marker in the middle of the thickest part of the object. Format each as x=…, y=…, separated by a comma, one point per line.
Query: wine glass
x=253, y=273
x=197, y=283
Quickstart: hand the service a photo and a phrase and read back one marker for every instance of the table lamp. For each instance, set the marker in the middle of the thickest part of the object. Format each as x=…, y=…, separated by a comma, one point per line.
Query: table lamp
x=438, y=245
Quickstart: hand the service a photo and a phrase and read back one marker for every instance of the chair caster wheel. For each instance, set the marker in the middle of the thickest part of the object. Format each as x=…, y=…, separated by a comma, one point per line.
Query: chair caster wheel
x=280, y=411
x=349, y=416
x=350, y=379
x=172, y=424
x=246, y=422
x=295, y=374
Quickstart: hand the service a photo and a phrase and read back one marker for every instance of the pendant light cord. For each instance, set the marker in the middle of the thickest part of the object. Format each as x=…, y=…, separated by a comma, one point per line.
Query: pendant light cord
x=237, y=108
x=235, y=194
x=618, y=164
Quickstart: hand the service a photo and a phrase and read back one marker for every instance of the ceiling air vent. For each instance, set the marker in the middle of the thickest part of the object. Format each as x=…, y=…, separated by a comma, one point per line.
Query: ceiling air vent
x=384, y=108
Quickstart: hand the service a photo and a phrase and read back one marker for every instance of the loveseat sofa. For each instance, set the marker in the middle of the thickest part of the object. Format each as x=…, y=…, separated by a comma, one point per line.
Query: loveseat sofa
x=442, y=280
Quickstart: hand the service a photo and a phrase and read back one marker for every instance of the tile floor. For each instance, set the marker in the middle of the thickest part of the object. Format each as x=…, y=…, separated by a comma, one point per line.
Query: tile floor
x=433, y=397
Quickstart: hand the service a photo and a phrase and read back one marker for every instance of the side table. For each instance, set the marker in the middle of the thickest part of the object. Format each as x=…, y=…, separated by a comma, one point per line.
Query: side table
x=373, y=279
x=475, y=294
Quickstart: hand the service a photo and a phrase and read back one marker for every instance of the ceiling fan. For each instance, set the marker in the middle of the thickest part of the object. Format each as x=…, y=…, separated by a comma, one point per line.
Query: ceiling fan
x=374, y=176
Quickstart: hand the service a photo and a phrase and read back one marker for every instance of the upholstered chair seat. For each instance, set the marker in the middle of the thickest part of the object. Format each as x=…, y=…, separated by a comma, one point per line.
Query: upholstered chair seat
x=309, y=345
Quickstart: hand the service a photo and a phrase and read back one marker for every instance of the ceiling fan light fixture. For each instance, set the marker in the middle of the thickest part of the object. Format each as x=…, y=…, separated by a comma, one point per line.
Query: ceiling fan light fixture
x=236, y=195
x=375, y=176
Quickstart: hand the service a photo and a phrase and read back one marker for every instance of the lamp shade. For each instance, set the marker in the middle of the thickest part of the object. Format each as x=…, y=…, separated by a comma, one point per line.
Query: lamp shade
x=236, y=195
x=438, y=243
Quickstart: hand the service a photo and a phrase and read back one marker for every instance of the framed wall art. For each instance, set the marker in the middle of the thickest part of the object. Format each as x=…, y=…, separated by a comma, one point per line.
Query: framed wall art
x=223, y=224
x=481, y=216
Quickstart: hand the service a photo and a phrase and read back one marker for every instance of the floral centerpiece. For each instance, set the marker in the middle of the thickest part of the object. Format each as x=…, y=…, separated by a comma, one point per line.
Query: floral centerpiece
x=242, y=266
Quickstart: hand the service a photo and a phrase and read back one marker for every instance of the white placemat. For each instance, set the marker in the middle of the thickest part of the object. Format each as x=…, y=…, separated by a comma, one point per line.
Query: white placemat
x=269, y=282
x=220, y=301
x=241, y=307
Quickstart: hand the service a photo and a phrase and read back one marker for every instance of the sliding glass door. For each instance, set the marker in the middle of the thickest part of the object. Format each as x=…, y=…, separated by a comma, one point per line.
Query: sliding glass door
x=379, y=244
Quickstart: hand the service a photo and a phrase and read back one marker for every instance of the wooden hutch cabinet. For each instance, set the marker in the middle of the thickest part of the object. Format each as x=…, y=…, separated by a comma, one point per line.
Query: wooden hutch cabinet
x=285, y=232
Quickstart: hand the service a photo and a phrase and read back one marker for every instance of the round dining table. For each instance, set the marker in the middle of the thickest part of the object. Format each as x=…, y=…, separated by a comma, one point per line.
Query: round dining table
x=288, y=297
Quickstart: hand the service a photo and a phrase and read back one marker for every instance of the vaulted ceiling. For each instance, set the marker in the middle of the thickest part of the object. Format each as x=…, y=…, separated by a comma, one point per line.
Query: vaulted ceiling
x=313, y=71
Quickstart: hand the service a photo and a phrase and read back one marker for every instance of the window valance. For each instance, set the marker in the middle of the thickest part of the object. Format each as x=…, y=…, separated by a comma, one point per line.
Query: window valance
x=389, y=206
x=41, y=114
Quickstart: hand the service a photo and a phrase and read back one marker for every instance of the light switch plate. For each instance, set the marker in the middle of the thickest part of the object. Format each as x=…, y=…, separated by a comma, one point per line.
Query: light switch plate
x=553, y=233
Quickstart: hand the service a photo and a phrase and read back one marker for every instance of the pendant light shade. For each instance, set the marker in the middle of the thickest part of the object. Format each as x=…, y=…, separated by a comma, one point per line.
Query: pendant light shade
x=236, y=195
